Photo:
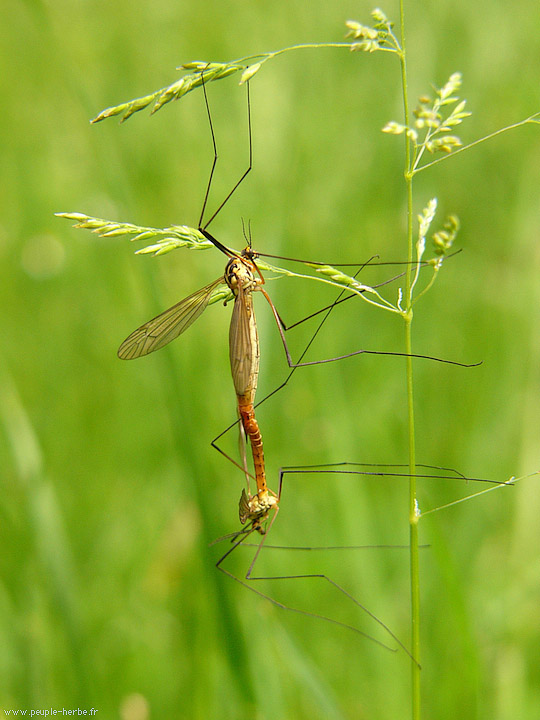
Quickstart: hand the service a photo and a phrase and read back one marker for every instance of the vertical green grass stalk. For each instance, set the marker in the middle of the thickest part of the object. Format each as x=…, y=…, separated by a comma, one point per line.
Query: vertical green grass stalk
x=413, y=527
x=408, y=317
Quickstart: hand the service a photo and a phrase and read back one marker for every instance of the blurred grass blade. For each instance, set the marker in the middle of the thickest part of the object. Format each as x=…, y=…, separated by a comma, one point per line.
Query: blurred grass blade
x=45, y=520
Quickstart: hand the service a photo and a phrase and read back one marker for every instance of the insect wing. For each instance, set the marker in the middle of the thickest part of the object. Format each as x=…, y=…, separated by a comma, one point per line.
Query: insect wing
x=159, y=331
x=243, y=344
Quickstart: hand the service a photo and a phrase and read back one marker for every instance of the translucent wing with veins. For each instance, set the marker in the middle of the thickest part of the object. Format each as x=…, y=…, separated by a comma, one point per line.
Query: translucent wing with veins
x=167, y=326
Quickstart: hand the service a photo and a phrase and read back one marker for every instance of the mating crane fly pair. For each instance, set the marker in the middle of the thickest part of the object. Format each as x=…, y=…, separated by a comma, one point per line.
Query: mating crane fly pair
x=243, y=277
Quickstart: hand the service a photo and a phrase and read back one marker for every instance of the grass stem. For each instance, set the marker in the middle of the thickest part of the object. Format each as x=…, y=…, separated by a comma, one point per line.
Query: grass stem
x=408, y=317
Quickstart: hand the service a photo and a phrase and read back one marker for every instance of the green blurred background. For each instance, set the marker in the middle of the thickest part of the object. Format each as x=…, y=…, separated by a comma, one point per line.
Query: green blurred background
x=110, y=490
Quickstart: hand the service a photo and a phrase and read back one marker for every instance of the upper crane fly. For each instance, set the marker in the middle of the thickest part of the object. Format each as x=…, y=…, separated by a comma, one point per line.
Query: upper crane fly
x=243, y=277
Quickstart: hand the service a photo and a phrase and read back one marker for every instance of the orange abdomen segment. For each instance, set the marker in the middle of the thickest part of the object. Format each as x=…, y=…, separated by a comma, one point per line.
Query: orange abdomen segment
x=251, y=428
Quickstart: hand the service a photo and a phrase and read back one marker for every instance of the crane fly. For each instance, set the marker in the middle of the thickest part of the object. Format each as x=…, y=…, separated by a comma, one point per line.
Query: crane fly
x=344, y=470
x=243, y=278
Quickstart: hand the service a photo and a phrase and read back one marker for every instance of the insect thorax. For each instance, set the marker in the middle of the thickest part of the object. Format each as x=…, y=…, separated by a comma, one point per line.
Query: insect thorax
x=240, y=273
x=255, y=508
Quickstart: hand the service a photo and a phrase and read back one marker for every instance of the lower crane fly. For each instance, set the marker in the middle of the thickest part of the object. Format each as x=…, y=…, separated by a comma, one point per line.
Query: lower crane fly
x=243, y=277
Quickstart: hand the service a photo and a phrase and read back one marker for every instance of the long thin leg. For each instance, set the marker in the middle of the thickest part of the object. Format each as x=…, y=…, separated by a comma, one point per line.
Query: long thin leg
x=327, y=310
x=354, y=468
x=364, y=469
x=423, y=263
x=214, y=163
x=248, y=578
x=293, y=366
x=351, y=354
